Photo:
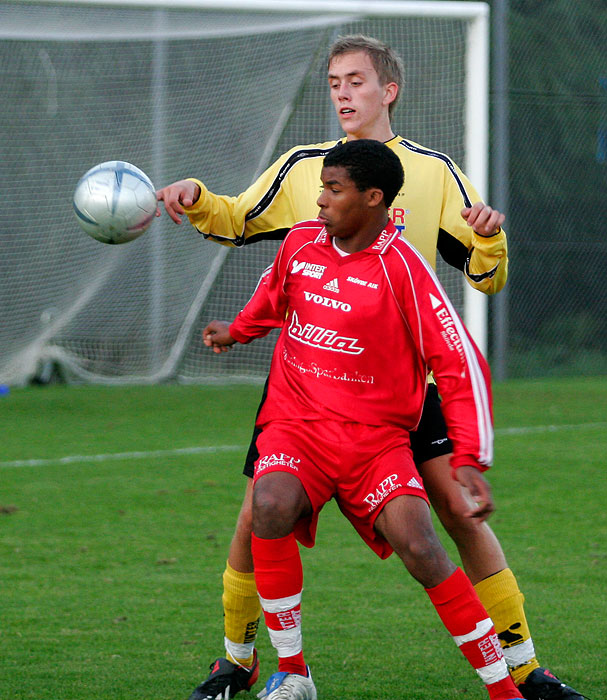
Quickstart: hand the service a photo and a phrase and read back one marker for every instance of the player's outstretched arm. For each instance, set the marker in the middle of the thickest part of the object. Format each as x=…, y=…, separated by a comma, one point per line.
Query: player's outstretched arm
x=479, y=492
x=217, y=336
x=483, y=219
x=176, y=196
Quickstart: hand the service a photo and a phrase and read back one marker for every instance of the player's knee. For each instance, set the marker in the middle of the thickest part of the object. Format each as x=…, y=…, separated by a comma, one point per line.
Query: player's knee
x=425, y=559
x=276, y=509
x=419, y=545
x=413, y=538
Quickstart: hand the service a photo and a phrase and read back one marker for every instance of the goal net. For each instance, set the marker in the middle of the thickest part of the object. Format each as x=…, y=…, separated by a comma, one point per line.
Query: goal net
x=206, y=89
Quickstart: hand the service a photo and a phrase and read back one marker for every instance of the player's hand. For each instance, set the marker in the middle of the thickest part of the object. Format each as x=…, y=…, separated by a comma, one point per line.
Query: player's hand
x=176, y=196
x=483, y=219
x=478, y=492
x=217, y=336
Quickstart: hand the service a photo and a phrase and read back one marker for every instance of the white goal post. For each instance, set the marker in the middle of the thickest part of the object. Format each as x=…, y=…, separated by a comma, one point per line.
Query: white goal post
x=166, y=85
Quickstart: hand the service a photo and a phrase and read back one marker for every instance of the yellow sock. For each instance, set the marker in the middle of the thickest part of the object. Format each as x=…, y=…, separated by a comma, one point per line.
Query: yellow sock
x=241, y=609
x=503, y=601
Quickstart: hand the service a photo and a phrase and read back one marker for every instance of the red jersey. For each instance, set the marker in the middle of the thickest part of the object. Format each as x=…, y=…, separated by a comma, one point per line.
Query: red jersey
x=360, y=333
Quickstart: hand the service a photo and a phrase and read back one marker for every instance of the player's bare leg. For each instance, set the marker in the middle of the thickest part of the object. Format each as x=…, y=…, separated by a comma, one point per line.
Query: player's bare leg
x=239, y=669
x=239, y=556
x=478, y=547
x=405, y=522
x=485, y=564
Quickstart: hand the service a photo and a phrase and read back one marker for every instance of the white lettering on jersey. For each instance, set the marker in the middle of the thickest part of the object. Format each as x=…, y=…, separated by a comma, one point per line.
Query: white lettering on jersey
x=381, y=241
x=308, y=269
x=331, y=303
x=363, y=283
x=322, y=338
x=450, y=335
x=383, y=489
x=333, y=373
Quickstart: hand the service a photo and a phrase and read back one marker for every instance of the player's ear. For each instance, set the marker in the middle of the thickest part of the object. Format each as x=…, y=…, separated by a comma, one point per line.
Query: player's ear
x=375, y=196
x=390, y=93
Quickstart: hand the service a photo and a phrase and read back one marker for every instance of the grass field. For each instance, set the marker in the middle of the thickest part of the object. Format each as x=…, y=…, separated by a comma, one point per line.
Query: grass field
x=117, y=506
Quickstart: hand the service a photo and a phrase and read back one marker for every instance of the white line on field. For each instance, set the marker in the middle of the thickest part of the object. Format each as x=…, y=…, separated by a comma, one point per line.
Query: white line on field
x=112, y=456
x=213, y=449
x=528, y=430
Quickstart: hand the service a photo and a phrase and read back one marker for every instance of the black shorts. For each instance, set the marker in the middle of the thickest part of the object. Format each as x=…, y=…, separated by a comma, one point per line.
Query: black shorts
x=427, y=442
x=430, y=439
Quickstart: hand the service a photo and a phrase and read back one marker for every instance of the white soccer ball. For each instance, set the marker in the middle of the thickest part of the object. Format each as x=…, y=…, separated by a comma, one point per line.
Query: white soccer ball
x=115, y=202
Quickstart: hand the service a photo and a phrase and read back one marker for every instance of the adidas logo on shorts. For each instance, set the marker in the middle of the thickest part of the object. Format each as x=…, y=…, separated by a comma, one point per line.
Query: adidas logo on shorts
x=414, y=483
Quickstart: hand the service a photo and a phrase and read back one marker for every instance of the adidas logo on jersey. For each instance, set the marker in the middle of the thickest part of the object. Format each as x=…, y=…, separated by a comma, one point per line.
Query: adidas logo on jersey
x=332, y=286
x=414, y=483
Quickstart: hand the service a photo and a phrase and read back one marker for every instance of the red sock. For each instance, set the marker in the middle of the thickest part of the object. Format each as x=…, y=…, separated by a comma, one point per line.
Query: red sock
x=279, y=579
x=471, y=627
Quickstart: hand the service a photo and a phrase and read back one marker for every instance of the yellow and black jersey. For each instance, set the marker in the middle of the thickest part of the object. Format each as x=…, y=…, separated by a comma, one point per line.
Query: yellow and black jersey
x=426, y=211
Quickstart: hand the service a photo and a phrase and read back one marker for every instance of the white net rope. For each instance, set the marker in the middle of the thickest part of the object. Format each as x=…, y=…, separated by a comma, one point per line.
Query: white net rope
x=202, y=93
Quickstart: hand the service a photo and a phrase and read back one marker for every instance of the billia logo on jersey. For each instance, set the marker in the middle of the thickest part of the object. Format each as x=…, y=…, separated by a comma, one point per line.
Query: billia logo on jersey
x=277, y=459
x=322, y=338
x=325, y=301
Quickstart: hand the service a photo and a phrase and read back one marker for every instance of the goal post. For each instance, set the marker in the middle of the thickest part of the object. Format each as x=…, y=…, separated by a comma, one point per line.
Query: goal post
x=210, y=88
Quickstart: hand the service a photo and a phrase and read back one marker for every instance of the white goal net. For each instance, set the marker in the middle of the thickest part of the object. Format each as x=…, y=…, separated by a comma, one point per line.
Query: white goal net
x=206, y=89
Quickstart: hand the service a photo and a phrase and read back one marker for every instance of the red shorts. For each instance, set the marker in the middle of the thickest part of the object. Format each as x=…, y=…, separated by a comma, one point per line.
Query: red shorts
x=361, y=466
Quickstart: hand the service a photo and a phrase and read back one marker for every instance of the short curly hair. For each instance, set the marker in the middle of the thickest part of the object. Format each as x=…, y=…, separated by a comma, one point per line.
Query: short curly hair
x=369, y=163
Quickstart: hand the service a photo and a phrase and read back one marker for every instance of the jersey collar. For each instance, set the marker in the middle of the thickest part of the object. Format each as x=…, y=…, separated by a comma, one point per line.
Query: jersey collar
x=379, y=247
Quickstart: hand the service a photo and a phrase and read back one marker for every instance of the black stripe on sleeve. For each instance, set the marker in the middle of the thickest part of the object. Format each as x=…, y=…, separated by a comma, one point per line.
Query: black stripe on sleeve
x=451, y=250
x=295, y=158
x=447, y=161
x=483, y=275
x=455, y=253
x=276, y=235
x=268, y=198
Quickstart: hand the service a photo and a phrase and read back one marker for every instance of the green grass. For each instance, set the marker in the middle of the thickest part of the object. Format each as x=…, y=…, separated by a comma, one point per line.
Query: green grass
x=110, y=571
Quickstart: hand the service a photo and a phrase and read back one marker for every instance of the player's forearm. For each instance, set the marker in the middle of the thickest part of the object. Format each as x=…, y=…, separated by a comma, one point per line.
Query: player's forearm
x=217, y=217
x=244, y=329
x=486, y=268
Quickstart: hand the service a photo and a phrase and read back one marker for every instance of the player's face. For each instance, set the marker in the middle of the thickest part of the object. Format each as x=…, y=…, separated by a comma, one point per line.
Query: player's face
x=360, y=101
x=344, y=209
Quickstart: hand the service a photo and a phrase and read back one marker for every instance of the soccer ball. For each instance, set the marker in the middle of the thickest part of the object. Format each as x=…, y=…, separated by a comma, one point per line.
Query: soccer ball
x=115, y=202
